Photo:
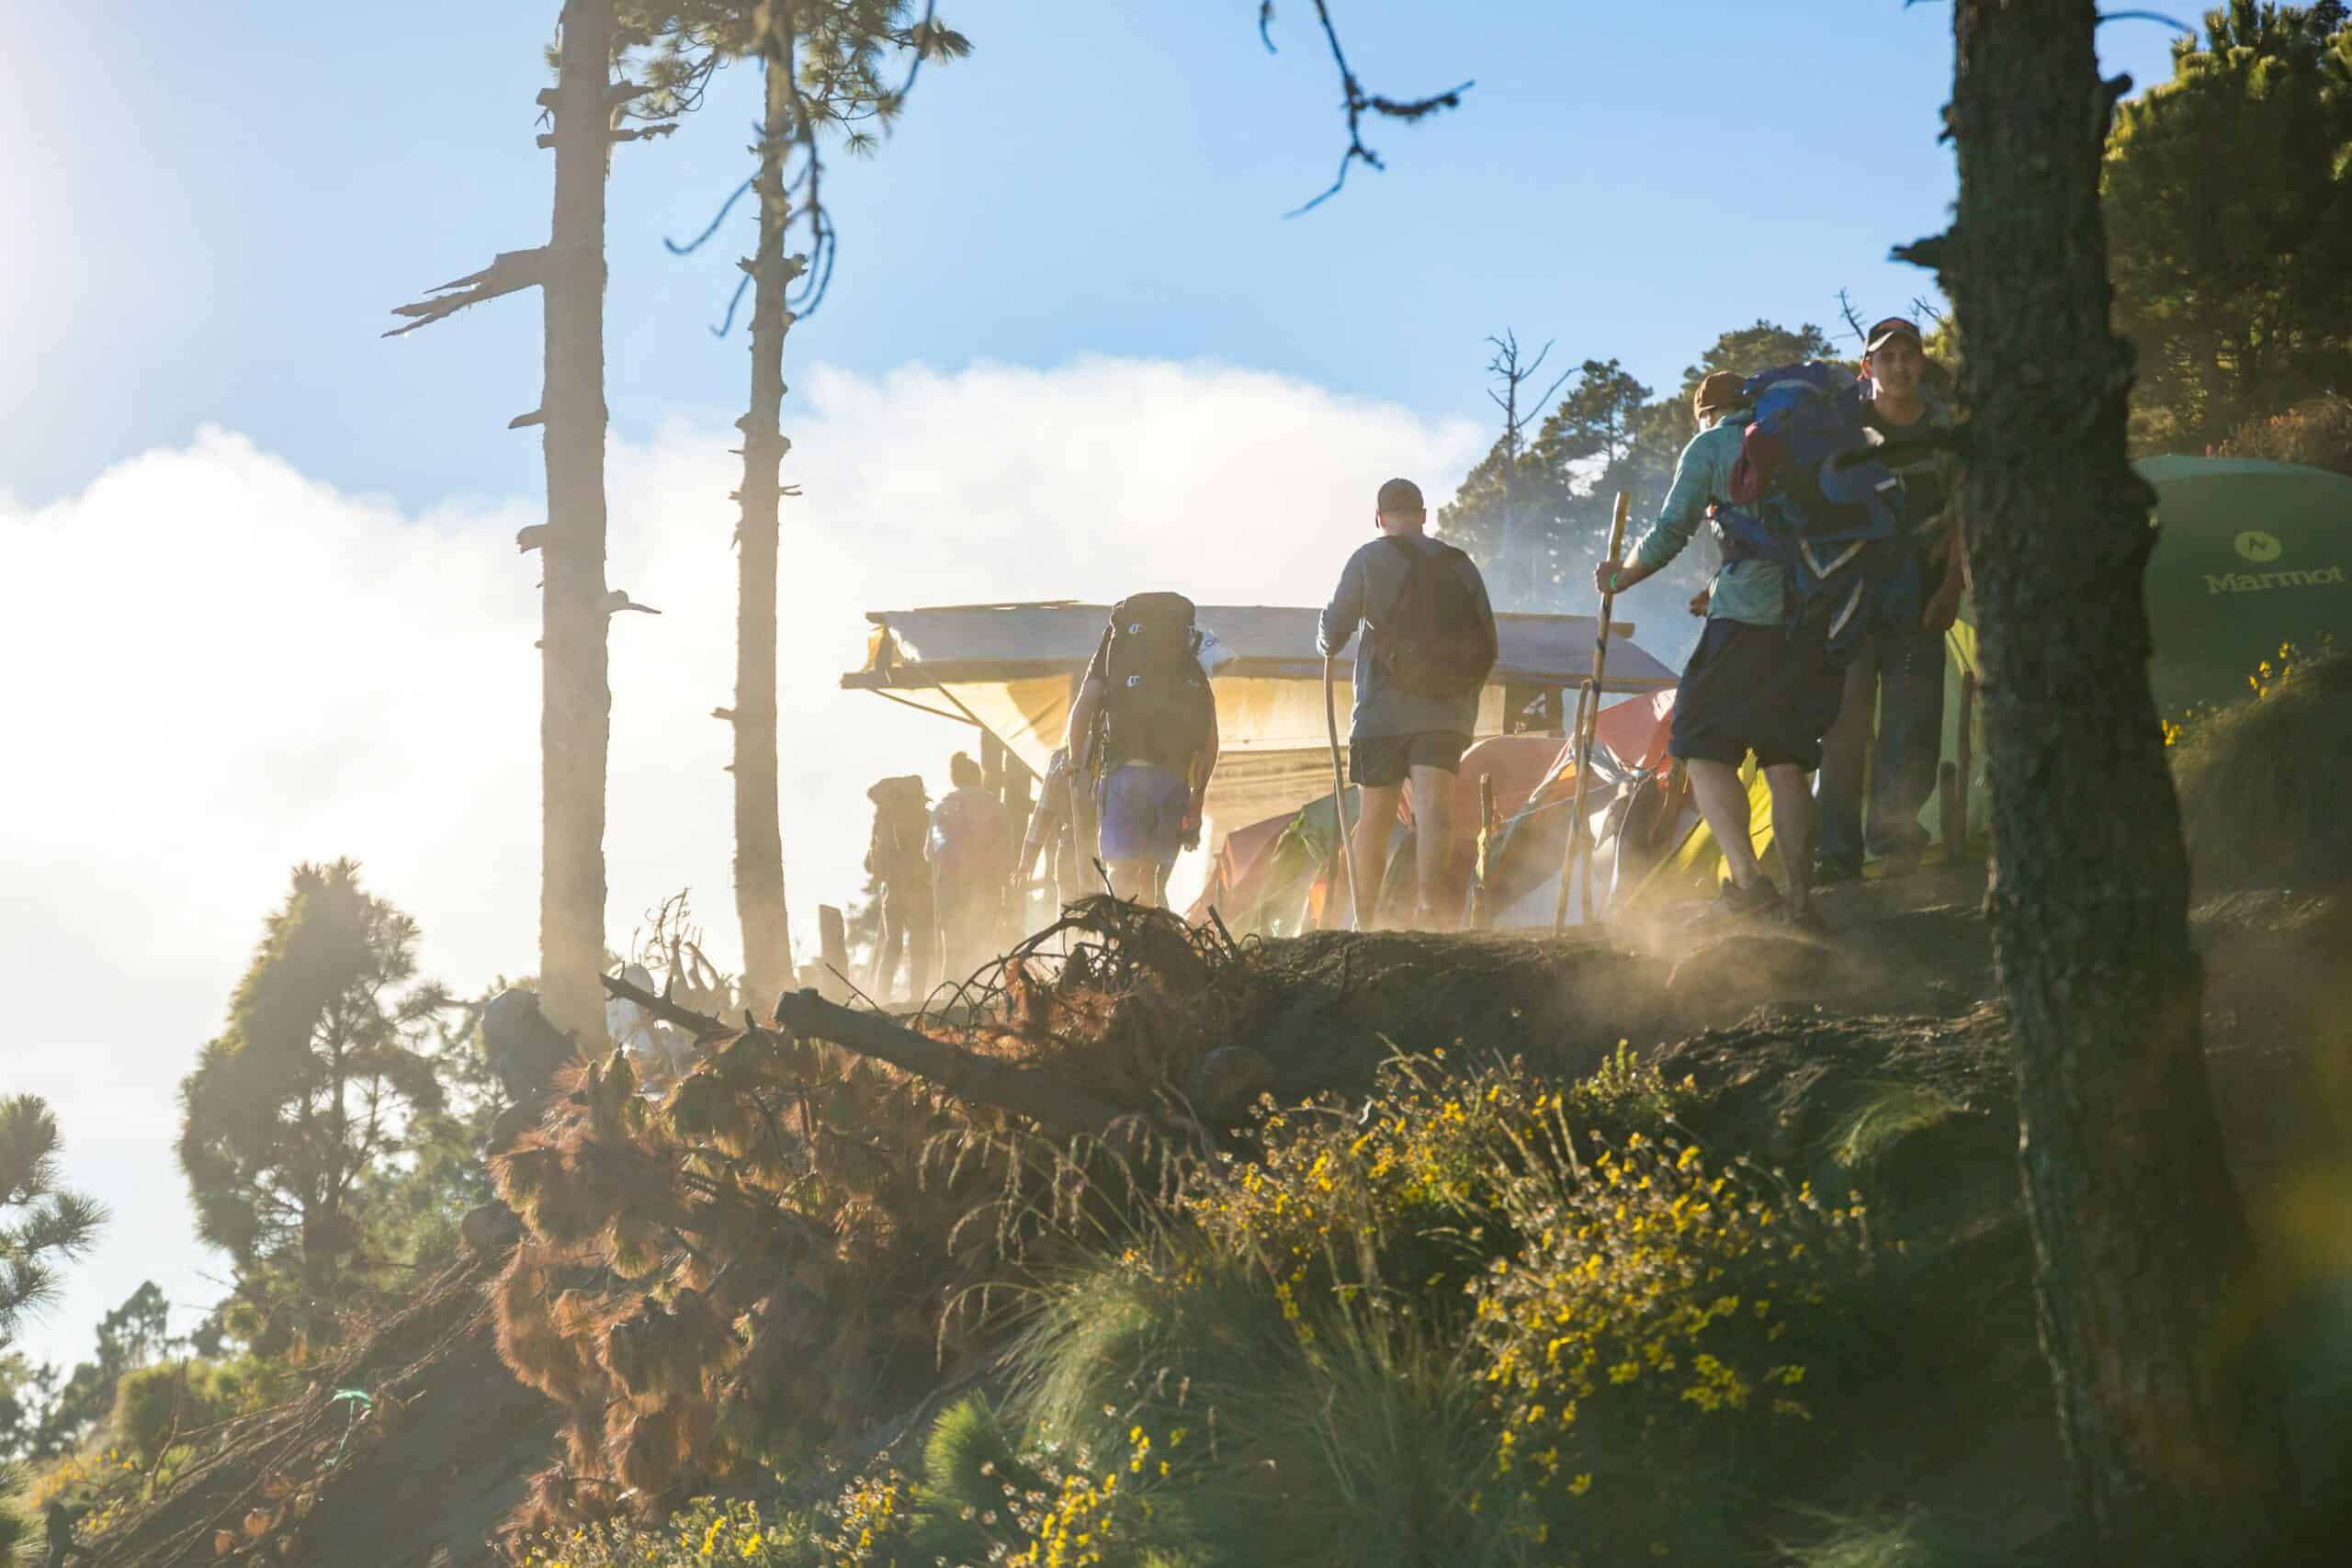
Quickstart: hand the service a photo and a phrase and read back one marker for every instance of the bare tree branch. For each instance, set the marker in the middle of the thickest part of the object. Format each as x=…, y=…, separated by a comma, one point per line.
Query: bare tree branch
x=1357, y=103
x=1853, y=322
x=2178, y=26
x=695, y=244
x=508, y=272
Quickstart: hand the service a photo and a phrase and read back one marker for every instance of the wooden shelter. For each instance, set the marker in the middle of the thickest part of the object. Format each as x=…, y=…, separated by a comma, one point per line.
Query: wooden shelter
x=1013, y=670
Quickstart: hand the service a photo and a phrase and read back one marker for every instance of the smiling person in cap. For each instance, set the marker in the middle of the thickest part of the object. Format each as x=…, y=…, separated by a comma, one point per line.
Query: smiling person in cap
x=1896, y=675
x=1749, y=686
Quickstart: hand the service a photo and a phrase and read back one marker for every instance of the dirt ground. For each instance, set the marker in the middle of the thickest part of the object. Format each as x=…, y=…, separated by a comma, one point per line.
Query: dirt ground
x=420, y=1482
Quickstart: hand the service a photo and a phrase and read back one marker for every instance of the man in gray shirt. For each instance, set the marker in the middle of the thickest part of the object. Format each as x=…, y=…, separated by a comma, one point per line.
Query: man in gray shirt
x=1411, y=727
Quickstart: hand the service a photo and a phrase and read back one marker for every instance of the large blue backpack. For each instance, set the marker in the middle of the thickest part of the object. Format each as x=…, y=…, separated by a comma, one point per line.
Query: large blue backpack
x=1810, y=494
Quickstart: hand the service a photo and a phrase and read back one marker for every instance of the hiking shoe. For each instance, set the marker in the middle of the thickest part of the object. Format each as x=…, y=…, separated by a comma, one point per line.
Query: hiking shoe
x=1807, y=921
x=1832, y=869
x=1758, y=897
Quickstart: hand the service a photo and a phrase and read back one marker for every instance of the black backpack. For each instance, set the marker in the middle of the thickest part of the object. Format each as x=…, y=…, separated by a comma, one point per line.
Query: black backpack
x=1434, y=643
x=1156, y=706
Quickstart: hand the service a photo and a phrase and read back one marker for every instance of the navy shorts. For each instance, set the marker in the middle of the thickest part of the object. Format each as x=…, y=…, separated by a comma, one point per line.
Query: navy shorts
x=1756, y=689
x=1143, y=813
x=1379, y=762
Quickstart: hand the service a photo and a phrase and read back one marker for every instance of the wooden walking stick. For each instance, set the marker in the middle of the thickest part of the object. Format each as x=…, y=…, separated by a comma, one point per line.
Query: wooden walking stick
x=1482, y=895
x=1589, y=713
x=1347, y=851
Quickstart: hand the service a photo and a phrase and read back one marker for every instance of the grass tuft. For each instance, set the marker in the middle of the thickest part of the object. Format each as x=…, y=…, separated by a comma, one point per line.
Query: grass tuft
x=1894, y=1111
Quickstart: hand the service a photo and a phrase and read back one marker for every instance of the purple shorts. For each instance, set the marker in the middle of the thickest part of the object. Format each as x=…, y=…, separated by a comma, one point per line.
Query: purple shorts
x=1143, y=813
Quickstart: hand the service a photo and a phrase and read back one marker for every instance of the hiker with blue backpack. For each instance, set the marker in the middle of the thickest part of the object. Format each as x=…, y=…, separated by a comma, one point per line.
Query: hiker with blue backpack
x=1755, y=682
x=1428, y=644
x=1896, y=674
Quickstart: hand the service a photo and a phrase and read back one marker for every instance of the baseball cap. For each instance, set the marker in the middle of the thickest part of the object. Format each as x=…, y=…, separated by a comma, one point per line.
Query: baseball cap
x=1719, y=390
x=1400, y=496
x=1893, y=327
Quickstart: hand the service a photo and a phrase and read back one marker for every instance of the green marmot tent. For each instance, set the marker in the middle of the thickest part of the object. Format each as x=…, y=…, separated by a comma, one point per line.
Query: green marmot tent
x=2249, y=555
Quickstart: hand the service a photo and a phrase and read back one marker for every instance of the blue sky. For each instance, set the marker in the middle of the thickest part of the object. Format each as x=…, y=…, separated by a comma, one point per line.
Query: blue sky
x=1072, y=345
x=208, y=221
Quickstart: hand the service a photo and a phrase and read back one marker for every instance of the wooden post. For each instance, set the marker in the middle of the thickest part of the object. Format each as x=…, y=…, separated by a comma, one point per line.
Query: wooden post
x=832, y=937
x=1966, y=757
x=1949, y=828
x=1482, y=897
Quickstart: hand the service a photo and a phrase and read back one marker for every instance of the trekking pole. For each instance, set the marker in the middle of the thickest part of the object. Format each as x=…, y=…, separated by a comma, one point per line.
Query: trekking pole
x=1585, y=732
x=1347, y=850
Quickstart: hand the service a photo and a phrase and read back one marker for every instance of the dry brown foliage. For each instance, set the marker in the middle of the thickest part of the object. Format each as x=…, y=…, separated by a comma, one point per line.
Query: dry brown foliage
x=795, y=1238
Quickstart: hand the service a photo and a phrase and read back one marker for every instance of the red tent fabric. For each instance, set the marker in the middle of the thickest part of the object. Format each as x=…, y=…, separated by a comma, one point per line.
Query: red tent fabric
x=1517, y=764
x=1239, y=864
x=1639, y=728
x=1636, y=730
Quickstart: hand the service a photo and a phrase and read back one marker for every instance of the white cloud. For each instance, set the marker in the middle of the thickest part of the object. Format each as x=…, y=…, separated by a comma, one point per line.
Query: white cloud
x=220, y=667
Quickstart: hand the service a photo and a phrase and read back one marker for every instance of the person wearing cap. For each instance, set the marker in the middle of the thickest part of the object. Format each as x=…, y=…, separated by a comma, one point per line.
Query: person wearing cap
x=1896, y=675
x=1749, y=687
x=1396, y=736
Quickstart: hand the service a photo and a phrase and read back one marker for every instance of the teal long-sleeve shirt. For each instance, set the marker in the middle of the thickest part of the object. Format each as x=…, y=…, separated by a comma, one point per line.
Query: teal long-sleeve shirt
x=1752, y=591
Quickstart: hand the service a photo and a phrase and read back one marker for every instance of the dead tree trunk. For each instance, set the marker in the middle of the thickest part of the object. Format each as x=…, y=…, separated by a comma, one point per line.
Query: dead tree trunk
x=759, y=840
x=2144, y=1261
x=575, y=702
x=575, y=721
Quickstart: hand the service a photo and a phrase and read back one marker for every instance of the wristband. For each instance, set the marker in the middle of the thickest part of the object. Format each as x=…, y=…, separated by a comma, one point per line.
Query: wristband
x=1613, y=581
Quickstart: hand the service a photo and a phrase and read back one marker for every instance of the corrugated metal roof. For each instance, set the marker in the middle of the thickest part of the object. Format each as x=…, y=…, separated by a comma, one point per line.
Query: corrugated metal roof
x=1004, y=642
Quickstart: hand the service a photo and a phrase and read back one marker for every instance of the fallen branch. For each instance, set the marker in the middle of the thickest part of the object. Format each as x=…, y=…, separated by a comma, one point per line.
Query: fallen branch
x=984, y=1080
x=968, y=1075
x=702, y=1026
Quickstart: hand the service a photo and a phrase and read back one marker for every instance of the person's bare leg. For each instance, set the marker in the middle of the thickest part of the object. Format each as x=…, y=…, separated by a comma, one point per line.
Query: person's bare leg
x=1722, y=801
x=1792, y=789
x=1375, y=819
x=1131, y=879
x=1433, y=845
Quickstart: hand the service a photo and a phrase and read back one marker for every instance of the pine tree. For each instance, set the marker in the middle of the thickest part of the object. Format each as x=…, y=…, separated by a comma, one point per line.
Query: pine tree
x=2227, y=193
x=307, y=1094
x=42, y=1224
x=823, y=66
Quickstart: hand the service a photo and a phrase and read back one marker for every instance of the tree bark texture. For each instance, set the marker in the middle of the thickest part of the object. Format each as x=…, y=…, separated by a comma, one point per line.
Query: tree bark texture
x=575, y=719
x=759, y=841
x=2145, y=1272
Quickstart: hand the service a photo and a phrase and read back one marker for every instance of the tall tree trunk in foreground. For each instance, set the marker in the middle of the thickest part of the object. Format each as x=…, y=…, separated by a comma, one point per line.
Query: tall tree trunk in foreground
x=2145, y=1268
x=575, y=721
x=758, y=842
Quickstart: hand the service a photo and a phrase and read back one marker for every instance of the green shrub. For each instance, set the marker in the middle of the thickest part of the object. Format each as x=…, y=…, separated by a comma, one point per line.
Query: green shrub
x=172, y=1401
x=1576, y=1307
x=706, y=1530
x=1652, y=1323
x=1477, y=1320
x=1403, y=1196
